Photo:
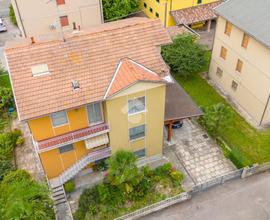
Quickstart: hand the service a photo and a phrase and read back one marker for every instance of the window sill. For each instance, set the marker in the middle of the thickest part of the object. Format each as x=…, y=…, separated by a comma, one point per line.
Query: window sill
x=136, y=113
x=137, y=139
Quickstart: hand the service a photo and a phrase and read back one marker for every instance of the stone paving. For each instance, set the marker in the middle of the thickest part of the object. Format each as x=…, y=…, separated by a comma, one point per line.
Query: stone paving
x=201, y=157
x=207, y=38
x=25, y=156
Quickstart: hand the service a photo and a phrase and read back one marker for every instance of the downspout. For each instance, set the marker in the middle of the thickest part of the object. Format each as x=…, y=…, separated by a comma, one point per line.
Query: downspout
x=264, y=111
x=165, y=17
x=17, y=8
x=101, y=11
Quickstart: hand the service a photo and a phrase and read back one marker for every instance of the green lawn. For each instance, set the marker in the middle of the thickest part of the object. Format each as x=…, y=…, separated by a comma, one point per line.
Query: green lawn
x=4, y=80
x=253, y=145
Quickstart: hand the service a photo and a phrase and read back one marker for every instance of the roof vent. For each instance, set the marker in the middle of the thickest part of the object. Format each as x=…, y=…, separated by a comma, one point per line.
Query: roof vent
x=39, y=70
x=75, y=85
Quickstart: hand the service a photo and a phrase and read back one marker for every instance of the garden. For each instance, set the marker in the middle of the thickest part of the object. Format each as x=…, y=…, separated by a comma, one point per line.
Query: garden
x=127, y=188
x=21, y=196
x=240, y=142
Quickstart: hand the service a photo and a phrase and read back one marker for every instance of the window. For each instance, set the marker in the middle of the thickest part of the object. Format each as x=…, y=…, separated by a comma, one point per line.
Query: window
x=245, y=41
x=136, y=105
x=151, y=10
x=140, y=153
x=199, y=1
x=94, y=113
x=239, y=65
x=66, y=148
x=59, y=118
x=228, y=28
x=64, y=21
x=157, y=15
x=136, y=132
x=234, y=85
x=60, y=2
x=145, y=5
x=157, y=1
x=39, y=70
x=219, y=72
x=223, y=52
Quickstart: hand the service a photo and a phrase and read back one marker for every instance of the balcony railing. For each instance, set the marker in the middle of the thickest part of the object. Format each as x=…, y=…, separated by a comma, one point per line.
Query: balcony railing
x=72, y=137
x=79, y=165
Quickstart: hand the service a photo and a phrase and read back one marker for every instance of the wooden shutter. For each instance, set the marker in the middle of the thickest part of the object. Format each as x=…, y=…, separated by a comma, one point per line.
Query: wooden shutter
x=223, y=52
x=245, y=41
x=60, y=2
x=239, y=65
x=64, y=21
x=228, y=28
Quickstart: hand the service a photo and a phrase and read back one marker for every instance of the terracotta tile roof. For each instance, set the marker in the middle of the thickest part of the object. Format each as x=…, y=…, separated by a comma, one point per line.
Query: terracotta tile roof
x=129, y=72
x=195, y=14
x=89, y=57
x=71, y=137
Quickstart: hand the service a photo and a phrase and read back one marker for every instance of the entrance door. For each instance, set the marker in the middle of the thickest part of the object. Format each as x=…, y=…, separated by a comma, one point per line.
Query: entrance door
x=68, y=155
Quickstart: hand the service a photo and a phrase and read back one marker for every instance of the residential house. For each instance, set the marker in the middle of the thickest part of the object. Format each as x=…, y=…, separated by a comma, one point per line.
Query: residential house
x=193, y=13
x=240, y=60
x=43, y=17
x=96, y=92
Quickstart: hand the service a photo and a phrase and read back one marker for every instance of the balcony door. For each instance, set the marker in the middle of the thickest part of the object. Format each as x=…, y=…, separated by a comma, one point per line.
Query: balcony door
x=68, y=155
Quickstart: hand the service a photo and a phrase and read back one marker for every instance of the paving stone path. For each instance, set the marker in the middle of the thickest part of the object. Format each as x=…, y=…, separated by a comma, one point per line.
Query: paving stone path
x=199, y=154
x=25, y=156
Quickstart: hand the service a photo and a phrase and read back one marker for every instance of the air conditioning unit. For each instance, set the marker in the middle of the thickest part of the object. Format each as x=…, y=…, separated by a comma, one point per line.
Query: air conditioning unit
x=52, y=26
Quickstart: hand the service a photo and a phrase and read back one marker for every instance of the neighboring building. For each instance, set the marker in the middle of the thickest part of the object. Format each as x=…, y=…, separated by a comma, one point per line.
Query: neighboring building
x=42, y=17
x=194, y=13
x=96, y=92
x=240, y=60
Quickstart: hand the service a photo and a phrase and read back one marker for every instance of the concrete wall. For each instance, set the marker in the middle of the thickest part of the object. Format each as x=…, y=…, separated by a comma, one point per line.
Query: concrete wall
x=36, y=16
x=163, y=7
x=253, y=81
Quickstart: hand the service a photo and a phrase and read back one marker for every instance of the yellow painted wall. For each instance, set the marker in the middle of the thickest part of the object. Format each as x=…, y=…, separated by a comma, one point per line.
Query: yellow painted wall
x=165, y=6
x=42, y=128
x=55, y=163
x=120, y=122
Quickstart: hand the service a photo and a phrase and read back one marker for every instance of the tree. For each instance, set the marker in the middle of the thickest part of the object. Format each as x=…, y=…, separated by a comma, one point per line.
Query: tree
x=12, y=15
x=114, y=9
x=6, y=99
x=185, y=56
x=22, y=197
x=216, y=118
x=123, y=171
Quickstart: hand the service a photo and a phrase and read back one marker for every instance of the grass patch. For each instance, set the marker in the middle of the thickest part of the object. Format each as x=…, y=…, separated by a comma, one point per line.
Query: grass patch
x=243, y=139
x=4, y=79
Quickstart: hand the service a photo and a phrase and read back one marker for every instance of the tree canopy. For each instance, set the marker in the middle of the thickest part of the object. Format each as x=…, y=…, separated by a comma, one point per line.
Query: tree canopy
x=185, y=56
x=114, y=9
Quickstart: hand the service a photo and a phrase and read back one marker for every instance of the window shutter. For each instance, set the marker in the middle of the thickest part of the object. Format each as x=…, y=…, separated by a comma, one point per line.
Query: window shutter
x=245, y=41
x=228, y=28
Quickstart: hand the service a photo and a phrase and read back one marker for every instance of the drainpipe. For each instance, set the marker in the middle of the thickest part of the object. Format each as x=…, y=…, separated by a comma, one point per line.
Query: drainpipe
x=165, y=17
x=264, y=111
x=20, y=17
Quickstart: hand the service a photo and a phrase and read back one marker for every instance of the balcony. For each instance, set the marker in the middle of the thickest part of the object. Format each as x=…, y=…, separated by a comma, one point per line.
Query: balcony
x=71, y=137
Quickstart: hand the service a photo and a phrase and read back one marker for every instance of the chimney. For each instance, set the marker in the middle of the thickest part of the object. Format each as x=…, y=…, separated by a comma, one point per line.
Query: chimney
x=32, y=40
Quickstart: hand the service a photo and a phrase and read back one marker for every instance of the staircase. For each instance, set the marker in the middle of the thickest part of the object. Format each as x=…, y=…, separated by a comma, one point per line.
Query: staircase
x=77, y=167
x=58, y=195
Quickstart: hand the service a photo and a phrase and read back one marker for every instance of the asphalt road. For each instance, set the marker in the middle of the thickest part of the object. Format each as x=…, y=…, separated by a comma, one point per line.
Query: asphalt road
x=12, y=33
x=244, y=199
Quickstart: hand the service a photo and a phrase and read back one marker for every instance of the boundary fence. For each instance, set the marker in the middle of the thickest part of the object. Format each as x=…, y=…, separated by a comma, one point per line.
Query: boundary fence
x=237, y=174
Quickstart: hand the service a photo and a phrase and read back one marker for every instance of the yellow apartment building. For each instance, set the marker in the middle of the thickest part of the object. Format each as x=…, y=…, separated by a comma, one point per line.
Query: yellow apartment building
x=39, y=17
x=240, y=60
x=194, y=13
x=94, y=93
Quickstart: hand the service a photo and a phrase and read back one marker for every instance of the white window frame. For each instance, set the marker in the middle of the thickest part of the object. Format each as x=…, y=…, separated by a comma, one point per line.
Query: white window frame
x=139, y=138
x=55, y=126
x=88, y=116
x=138, y=111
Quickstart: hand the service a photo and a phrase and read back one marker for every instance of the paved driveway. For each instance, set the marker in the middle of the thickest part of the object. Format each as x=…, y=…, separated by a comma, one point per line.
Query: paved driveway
x=242, y=199
x=199, y=154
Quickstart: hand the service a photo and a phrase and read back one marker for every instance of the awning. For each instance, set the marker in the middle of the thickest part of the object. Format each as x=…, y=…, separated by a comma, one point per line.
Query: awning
x=179, y=105
x=195, y=14
x=96, y=141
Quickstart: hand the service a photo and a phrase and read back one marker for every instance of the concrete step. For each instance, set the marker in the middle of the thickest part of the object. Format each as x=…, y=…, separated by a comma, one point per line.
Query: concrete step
x=58, y=193
x=59, y=197
x=61, y=201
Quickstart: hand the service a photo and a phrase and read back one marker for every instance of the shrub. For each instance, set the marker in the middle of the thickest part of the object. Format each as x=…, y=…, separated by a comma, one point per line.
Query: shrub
x=69, y=186
x=12, y=15
x=163, y=170
x=24, y=198
x=185, y=56
x=5, y=167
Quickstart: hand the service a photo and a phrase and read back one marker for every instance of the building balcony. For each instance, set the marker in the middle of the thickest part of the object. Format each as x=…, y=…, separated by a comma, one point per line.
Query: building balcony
x=71, y=137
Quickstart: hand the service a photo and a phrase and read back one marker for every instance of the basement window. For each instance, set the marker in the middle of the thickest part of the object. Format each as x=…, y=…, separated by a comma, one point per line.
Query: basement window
x=39, y=70
x=139, y=153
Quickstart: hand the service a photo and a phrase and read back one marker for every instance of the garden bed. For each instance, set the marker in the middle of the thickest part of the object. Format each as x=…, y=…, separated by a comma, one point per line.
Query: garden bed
x=129, y=190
